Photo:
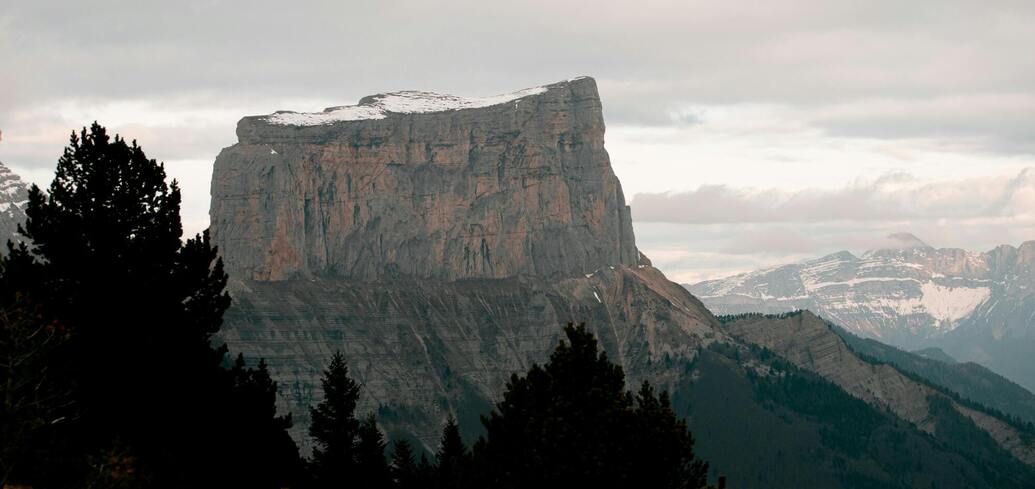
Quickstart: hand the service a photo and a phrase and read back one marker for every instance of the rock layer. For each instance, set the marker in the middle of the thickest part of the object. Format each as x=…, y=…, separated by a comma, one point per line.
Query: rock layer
x=521, y=187
x=440, y=243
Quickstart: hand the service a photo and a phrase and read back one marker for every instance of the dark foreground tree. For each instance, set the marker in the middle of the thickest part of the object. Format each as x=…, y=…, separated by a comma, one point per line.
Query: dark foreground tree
x=454, y=460
x=106, y=260
x=33, y=403
x=571, y=423
x=404, y=468
x=372, y=469
x=334, y=428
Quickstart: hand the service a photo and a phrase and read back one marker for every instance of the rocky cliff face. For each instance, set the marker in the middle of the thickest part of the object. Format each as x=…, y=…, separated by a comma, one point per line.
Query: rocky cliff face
x=424, y=185
x=439, y=243
x=14, y=194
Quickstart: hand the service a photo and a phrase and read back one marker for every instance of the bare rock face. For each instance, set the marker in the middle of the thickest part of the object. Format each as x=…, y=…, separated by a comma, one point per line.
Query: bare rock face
x=424, y=185
x=14, y=195
x=440, y=243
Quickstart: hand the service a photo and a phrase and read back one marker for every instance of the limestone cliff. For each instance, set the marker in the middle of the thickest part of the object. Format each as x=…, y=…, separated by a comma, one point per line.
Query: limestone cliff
x=424, y=185
x=440, y=243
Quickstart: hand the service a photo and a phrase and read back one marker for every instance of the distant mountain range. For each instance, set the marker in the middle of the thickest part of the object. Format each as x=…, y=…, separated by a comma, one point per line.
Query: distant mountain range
x=14, y=194
x=975, y=306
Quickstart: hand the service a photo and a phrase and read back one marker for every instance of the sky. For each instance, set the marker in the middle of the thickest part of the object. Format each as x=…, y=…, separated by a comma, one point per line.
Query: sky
x=745, y=134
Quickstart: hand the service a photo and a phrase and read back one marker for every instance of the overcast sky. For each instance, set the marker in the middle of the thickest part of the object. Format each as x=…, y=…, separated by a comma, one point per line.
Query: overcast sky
x=745, y=134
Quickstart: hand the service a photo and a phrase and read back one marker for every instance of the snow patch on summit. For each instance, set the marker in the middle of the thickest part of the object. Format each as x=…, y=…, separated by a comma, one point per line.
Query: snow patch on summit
x=405, y=102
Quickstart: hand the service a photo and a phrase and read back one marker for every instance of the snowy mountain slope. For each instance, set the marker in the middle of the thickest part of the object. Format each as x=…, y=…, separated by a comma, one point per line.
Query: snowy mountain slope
x=14, y=194
x=912, y=296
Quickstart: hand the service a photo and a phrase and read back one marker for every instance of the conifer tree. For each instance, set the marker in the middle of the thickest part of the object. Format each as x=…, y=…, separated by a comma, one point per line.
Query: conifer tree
x=334, y=428
x=453, y=457
x=372, y=469
x=572, y=423
x=266, y=455
x=404, y=468
x=105, y=259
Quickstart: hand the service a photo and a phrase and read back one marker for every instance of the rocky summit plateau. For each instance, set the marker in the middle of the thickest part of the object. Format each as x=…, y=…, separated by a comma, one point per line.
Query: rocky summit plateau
x=441, y=242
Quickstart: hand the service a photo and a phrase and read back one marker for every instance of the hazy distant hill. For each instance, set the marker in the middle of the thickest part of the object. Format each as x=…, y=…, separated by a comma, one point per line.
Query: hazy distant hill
x=975, y=306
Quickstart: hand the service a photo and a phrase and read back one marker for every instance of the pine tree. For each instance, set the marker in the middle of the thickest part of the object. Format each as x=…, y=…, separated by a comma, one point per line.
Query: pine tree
x=572, y=423
x=453, y=457
x=106, y=260
x=427, y=473
x=404, y=470
x=334, y=428
x=266, y=454
x=664, y=454
x=372, y=469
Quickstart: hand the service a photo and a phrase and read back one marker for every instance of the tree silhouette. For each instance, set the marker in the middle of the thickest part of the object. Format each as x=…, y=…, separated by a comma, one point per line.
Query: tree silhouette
x=334, y=427
x=572, y=423
x=453, y=457
x=105, y=259
x=404, y=468
x=372, y=469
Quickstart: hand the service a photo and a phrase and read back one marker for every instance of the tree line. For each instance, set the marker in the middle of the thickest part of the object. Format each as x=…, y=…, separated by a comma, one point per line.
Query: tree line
x=112, y=375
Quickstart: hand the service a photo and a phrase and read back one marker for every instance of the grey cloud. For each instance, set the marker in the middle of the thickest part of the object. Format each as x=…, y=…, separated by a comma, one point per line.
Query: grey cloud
x=651, y=59
x=888, y=198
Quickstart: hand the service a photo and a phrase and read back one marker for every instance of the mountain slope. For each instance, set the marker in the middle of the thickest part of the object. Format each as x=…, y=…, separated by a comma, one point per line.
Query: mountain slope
x=14, y=194
x=969, y=380
x=441, y=243
x=975, y=306
x=810, y=343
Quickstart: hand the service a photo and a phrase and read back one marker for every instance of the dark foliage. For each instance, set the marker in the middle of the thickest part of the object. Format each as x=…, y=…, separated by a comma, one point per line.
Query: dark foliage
x=334, y=427
x=372, y=469
x=572, y=423
x=106, y=261
x=454, y=461
x=405, y=473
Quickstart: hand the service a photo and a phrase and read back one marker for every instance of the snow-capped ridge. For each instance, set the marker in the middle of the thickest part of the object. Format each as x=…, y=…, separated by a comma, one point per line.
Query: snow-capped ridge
x=380, y=106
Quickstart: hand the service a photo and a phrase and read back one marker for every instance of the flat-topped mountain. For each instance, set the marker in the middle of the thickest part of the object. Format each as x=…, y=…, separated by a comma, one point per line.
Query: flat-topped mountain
x=425, y=185
x=441, y=242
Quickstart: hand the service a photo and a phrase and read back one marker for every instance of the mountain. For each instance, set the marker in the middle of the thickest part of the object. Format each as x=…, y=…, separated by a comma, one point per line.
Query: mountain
x=969, y=380
x=14, y=194
x=974, y=306
x=440, y=243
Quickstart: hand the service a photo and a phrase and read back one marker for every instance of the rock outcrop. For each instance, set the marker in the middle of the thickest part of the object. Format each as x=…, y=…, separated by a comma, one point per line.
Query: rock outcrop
x=440, y=243
x=424, y=185
x=14, y=195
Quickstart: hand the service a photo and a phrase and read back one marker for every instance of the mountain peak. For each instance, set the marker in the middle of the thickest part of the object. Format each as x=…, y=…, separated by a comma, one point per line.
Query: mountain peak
x=905, y=241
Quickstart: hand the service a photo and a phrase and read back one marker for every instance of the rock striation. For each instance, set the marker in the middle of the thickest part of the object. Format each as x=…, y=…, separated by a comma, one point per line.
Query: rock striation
x=424, y=185
x=439, y=242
